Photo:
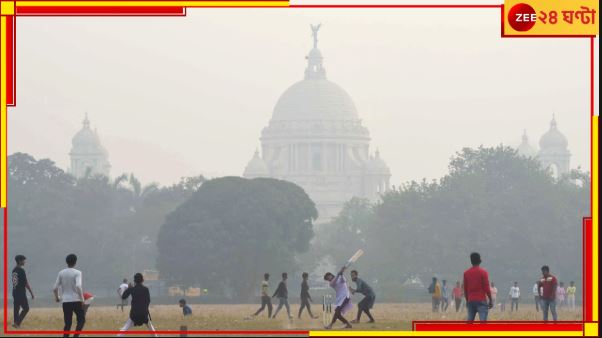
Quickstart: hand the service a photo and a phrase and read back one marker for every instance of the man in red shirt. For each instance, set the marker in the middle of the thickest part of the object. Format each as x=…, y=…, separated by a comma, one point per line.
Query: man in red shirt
x=546, y=287
x=476, y=289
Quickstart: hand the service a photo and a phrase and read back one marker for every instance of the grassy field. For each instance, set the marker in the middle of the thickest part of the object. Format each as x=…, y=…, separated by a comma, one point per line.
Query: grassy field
x=232, y=317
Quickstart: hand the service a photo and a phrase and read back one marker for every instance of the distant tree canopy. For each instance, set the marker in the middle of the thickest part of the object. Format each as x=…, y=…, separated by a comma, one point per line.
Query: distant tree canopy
x=492, y=201
x=103, y=221
x=232, y=230
x=223, y=234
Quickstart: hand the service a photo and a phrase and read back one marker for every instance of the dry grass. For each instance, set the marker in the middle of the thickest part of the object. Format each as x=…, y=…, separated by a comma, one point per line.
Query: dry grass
x=232, y=317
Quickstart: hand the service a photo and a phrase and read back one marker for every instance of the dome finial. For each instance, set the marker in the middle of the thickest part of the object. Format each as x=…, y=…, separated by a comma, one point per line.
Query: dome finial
x=525, y=137
x=315, y=70
x=314, y=33
x=86, y=122
x=553, y=122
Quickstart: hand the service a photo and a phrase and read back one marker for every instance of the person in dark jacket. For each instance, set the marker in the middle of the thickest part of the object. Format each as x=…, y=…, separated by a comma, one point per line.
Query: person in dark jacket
x=139, y=313
x=20, y=284
x=282, y=294
x=368, y=302
x=305, y=296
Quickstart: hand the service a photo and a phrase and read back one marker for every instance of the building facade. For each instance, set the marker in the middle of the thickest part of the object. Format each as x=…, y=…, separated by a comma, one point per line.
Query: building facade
x=88, y=156
x=316, y=140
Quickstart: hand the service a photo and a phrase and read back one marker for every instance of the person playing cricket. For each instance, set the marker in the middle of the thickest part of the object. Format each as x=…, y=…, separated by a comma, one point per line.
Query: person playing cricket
x=342, y=297
x=367, y=302
x=139, y=313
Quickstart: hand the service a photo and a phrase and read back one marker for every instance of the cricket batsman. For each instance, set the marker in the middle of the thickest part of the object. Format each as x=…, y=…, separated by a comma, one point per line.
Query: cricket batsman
x=342, y=298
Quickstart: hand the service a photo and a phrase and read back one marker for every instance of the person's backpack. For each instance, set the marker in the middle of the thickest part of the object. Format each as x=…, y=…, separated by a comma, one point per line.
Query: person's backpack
x=432, y=288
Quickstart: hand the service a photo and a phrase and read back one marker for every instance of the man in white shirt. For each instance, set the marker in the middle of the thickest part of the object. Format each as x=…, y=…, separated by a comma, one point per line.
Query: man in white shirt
x=514, y=297
x=342, y=297
x=69, y=283
x=536, y=297
x=124, y=286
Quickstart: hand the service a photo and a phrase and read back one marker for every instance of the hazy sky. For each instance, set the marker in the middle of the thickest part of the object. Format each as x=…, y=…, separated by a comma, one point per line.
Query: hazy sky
x=181, y=96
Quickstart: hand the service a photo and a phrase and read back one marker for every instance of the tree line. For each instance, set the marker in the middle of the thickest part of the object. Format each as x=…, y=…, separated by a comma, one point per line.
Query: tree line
x=223, y=234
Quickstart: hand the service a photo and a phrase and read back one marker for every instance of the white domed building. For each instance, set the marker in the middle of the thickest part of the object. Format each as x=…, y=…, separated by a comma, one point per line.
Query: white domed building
x=87, y=153
x=316, y=140
x=553, y=150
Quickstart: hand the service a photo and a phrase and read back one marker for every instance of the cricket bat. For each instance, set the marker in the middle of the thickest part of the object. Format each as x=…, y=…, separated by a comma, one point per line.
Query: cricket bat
x=354, y=258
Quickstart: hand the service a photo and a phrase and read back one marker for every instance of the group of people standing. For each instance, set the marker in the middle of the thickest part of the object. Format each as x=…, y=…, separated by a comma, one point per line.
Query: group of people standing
x=548, y=293
x=565, y=296
x=342, y=300
x=68, y=290
x=480, y=294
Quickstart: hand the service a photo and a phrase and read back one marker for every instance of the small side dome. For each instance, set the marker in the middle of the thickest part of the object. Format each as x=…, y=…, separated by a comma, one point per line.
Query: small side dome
x=553, y=139
x=525, y=149
x=376, y=165
x=86, y=141
x=256, y=167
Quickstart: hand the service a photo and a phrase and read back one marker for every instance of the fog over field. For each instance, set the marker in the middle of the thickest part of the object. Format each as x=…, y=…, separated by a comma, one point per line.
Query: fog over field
x=234, y=142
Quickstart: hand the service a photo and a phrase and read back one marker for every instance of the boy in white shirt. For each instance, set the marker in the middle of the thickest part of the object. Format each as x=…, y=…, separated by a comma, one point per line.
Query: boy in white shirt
x=69, y=283
x=536, y=296
x=514, y=297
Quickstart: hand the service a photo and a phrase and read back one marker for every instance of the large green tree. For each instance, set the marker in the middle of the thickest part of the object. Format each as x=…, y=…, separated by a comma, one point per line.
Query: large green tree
x=231, y=230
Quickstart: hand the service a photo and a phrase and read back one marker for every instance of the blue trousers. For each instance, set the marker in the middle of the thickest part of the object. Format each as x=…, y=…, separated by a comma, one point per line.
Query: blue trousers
x=477, y=307
x=549, y=304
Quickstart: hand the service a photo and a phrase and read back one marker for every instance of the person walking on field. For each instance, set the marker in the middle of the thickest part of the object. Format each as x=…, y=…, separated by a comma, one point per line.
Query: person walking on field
x=20, y=284
x=560, y=295
x=342, y=297
x=120, y=290
x=88, y=299
x=305, y=296
x=444, y=296
x=570, y=293
x=186, y=310
x=536, y=296
x=282, y=294
x=139, y=313
x=457, y=296
x=69, y=285
x=493, y=294
x=514, y=297
x=367, y=302
x=265, y=297
x=435, y=291
x=476, y=289
x=547, y=293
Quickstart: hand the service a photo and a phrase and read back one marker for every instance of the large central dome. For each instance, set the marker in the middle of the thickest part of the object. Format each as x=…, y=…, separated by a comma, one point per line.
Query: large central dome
x=315, y=99
x=316, y=140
